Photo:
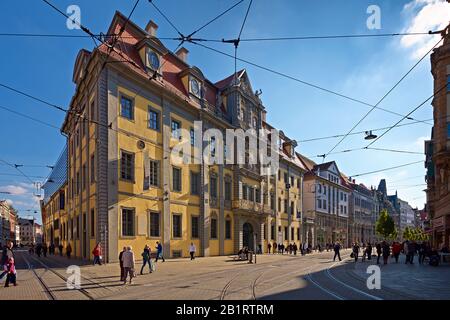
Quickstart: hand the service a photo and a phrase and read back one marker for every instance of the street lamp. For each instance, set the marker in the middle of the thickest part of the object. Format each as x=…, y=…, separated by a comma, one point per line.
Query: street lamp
x=370, y=135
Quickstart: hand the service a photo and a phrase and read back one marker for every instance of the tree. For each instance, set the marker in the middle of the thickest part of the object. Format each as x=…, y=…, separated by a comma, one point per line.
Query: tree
x=385, y=225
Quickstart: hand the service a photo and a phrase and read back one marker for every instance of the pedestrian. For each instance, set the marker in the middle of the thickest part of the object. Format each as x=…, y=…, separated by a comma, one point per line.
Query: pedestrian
x=44, y=249
x=159, y=251
x=396, y=249
x=68, y=250
x=337, y=251
x=279, y=248
x=406, y=251
x=275, y=247
x=60, y=247
x=10, y=270
x=97, y=252
x=378, y=247
x=269, y=246
x=355, y=251
x=295, y=249
x=386, y=252
x=146, y=258
x=369, y=251
x=128, y=264
x=39, y=250
x=192, y=250
x=282, y=248
x=411, y=251
x=122, y=270
x=7, y=254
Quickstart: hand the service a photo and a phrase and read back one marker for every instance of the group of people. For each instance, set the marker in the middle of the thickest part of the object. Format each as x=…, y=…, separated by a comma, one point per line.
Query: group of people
x=127, y=261
x=291, y=248
x=8, y=265
x=41, y=249
x=385, y=250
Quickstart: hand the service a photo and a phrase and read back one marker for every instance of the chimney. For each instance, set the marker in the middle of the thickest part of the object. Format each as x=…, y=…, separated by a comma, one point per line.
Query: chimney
x=151, y=28
x=182, y=53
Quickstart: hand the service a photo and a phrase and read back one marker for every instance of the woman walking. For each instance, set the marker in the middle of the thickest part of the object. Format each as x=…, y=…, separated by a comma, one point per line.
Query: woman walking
x=97, y=252
x=355, y=251
x=386, y=252
x=146, y=258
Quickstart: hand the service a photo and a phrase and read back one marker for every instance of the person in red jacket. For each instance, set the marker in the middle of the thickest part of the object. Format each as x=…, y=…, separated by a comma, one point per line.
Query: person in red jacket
x=97, y=252
x=396, y=249
x=10, y=268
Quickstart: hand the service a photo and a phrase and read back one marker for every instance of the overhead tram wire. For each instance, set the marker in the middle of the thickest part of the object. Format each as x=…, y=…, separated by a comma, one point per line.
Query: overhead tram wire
x=15, y=166
x=411, y=112
x=385, y=169
x=375, y=149
x=384, y=96
x=30, y=118
x=304, y=82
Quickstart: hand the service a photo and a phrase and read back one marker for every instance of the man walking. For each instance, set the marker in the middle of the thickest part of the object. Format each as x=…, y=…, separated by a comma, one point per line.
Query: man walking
x=355, y=251
x=269, y=246
x=378, y=246
x=122, y=270
x=369, y=251
x=386, y=252
x=128, y=264
x=192, y=250
x=7, y=254
x=159, y=251
x=337, y=251
x=396, y=249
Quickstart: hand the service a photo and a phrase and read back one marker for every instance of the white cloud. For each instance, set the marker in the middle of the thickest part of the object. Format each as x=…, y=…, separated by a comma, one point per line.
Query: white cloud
x=424, y=15
x=10, y=202
x=13, y=190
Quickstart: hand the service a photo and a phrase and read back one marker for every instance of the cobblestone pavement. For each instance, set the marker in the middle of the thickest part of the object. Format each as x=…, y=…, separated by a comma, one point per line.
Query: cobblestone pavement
x=311, y=277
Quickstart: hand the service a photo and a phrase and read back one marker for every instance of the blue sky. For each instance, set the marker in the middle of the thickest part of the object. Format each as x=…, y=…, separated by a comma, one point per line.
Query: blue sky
x=362, y=68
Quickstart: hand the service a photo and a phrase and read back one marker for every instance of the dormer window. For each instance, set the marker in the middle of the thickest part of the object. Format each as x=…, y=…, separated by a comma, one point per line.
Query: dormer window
x=152, y=60
x=194, y=86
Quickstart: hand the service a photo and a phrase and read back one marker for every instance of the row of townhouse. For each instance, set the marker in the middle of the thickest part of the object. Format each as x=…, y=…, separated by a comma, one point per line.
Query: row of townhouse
x=116, y=182
x=9, y=226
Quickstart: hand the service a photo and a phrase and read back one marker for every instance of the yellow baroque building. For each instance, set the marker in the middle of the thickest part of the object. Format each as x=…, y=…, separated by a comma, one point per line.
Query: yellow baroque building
x=131, y=106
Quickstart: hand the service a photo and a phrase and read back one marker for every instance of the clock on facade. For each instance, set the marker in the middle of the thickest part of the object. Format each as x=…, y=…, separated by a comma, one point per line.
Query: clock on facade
x=195, y=87
x=153, y=60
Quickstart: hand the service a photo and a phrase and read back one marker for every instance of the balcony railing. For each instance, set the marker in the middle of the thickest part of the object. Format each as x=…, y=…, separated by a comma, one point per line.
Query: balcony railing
x=248, y=205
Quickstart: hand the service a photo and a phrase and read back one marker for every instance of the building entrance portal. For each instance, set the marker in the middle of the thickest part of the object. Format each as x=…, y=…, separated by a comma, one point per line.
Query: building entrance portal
x=248, y=240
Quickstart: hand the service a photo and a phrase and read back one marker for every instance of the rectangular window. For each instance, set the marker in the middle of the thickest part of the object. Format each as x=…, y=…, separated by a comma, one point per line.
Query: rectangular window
x=251, y=194
x=176, y=129
x=93, y=110
x=176, y=226
x=298, y=234
x=257, y=195
x=154, y=173
x=292, y=208
x=213, y=228
x=176, y=179
x=126, y=108
x=227, y=229
x=285, y=206
x=192, y=136
x=212, y=147
x=153, y=119
x=195, y=183
x=213, y=186
x=84, y=177
x=292, y=182
x=62, y=200
x=154, y=224
x=298, y=183
x=244, y=192
x=92, y=223
x=292, y=234
x=194, y=227
x=286, y=236
x=319, y=203
x=279, y=204
x=127, y=166
x=324, y=203
x=127, y=222
x=92, y=168
x=272, y=232
x=228, y=190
